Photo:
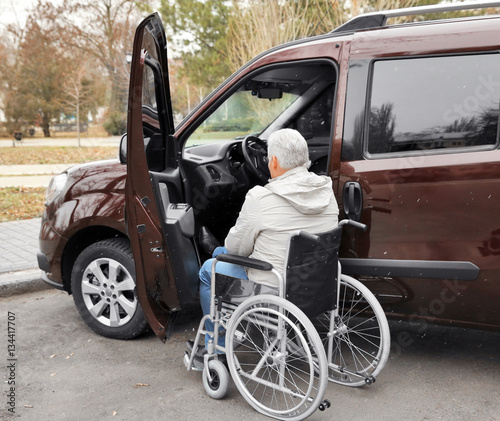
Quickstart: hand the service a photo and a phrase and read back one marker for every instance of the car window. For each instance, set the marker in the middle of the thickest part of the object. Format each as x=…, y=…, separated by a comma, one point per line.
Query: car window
x=434, y=103
x=298, y=95
x=243, y=113
x=148, y=89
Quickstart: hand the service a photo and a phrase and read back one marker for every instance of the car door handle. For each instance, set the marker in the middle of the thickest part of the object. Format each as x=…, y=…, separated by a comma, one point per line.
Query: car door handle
x=353, y=200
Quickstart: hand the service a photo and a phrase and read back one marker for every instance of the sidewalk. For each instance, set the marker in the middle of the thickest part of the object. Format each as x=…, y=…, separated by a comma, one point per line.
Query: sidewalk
x=19, y=271
x=29, y=175
x=55, y=141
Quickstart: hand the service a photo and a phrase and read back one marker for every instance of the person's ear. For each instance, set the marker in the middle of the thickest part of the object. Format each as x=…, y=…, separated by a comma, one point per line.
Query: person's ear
x=272, y=165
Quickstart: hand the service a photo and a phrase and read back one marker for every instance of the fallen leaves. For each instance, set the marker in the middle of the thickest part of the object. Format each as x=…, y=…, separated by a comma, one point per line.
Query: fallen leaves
x=21, y=203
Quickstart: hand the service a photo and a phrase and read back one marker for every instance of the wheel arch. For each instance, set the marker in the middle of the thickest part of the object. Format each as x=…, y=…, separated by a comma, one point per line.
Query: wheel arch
x=79, y=242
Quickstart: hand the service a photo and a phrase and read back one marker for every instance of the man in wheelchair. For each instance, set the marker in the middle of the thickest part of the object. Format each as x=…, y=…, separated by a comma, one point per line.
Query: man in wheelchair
x=294, y=199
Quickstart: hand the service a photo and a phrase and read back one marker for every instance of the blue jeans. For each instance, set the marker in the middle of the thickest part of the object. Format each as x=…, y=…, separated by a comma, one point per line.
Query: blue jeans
x=223, y=268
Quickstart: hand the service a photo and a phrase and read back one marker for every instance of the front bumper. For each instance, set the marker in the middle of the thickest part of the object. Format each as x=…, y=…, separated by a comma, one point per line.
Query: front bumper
x=43, y=264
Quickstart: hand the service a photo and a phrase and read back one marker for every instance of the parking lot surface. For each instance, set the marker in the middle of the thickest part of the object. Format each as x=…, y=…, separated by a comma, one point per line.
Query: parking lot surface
x=63, y=371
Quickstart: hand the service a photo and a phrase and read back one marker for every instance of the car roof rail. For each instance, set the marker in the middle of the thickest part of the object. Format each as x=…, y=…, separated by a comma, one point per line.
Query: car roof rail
x=379, y=19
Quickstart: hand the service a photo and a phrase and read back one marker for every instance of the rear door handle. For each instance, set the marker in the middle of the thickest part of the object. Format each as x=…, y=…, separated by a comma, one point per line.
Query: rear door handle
x=353, y=200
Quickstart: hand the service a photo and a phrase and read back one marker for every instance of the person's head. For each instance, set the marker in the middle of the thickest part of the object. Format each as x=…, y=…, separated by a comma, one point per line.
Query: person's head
x=286, y=149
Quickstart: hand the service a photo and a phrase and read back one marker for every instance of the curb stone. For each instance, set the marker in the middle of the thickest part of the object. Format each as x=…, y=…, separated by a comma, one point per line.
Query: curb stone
x=20, y=282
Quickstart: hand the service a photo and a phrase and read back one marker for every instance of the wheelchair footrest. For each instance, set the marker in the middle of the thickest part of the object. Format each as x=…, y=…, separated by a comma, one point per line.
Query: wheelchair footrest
x=195, y=366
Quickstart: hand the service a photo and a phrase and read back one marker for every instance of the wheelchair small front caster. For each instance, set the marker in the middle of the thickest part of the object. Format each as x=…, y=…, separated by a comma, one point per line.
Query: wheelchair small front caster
x=370, y=380
x=218, y=385
x=324, y=405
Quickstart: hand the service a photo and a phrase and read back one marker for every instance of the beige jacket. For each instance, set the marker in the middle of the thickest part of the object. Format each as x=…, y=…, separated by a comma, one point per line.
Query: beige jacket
x=297, y=200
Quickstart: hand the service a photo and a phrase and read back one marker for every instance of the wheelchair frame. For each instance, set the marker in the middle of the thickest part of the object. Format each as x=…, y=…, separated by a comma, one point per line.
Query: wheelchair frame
x=288, y=373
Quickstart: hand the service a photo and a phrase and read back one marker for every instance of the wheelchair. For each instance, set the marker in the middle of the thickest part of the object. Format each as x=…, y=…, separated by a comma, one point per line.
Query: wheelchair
x=284, y=344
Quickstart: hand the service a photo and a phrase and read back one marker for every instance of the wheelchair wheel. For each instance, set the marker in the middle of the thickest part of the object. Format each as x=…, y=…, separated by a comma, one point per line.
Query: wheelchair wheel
x=360, y=344
x=276, y=379
x=218, y=386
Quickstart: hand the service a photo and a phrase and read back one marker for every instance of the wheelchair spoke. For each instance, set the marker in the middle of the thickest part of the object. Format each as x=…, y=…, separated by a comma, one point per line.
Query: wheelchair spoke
x=360, y=337
x=278, y=371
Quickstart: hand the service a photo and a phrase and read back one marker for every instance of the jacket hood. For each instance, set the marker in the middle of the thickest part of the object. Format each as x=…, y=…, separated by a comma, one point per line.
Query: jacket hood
x=307, y=192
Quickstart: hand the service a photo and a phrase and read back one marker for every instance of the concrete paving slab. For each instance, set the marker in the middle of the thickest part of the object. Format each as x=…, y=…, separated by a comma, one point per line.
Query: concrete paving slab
x=19, y=245
x=54, y=141
x=26, y=181
x=46, y=169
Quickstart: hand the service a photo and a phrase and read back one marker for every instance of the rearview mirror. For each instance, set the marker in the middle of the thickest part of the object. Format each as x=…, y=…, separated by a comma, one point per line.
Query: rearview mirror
x=270, y=93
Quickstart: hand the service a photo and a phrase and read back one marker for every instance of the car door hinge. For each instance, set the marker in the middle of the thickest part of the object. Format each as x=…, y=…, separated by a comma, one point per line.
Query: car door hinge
x=157, y=249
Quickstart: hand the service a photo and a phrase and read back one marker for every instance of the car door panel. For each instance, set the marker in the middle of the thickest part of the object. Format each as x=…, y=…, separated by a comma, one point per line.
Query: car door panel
x=436, y=202
x=164, y=253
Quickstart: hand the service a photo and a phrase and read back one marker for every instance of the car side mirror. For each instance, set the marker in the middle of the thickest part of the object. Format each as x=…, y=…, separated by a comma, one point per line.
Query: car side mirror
x=123, y=149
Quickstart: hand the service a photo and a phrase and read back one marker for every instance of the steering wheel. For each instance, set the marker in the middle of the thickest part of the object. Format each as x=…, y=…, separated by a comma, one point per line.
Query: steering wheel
x=255, y=154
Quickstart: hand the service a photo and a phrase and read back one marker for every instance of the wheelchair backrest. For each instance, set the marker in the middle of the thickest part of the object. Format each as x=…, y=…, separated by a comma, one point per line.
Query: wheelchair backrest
x=311, y=271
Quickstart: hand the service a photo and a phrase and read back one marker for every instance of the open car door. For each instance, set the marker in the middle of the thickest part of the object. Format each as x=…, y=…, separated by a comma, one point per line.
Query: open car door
x=166, y=271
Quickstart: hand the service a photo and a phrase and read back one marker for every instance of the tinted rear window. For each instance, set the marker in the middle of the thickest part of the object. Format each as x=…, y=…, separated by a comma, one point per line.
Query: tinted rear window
x=434, y=103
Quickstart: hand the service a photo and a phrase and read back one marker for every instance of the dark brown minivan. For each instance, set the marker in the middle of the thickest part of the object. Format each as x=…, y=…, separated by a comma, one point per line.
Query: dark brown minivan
x=403, y=118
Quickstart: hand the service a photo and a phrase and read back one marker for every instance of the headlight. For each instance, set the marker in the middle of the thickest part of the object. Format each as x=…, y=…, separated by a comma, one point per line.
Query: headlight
x=55, y=187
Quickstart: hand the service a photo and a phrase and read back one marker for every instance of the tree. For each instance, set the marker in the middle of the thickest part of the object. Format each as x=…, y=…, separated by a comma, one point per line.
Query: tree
x=258, y=25
x=213, y=38
x=10, y=39
x=103, y=30
x=84, y=90
x=35, y=76
x=185, y=95
x=44, y=73
x=197, y=33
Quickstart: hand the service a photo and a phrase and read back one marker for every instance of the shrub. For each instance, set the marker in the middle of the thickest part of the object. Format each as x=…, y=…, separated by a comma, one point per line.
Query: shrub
x=116, y=124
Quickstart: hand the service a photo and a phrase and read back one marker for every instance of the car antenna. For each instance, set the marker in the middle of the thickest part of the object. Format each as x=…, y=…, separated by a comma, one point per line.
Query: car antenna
x=323, y=18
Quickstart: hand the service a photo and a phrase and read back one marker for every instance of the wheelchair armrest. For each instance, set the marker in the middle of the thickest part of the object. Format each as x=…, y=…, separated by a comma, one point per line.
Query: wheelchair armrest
x=245, y=261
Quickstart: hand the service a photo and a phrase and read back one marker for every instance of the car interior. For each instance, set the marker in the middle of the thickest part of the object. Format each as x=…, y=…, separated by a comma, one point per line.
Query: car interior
x=226, y=154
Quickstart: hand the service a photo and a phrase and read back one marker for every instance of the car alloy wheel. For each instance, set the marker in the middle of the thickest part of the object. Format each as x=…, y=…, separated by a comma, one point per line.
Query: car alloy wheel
x=103, y=287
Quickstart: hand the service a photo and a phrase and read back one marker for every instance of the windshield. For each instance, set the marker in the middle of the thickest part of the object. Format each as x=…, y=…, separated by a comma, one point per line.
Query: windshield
x=243, y=113
x=270, y=99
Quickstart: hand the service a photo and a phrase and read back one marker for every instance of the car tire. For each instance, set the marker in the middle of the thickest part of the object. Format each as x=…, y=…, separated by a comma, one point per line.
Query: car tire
x=103, y=287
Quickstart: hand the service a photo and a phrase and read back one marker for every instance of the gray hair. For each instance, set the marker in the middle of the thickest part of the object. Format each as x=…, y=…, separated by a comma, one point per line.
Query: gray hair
x=289, y=147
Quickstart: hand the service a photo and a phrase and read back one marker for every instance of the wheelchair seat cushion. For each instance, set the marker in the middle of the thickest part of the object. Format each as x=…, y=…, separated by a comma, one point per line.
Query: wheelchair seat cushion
x=235, y=290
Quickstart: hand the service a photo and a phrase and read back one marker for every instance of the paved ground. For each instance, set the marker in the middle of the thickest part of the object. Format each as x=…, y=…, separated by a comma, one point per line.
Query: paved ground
x=29, y=175
x=91, y=141
x=64, y=371
x=19, y=245
x=19, y=271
